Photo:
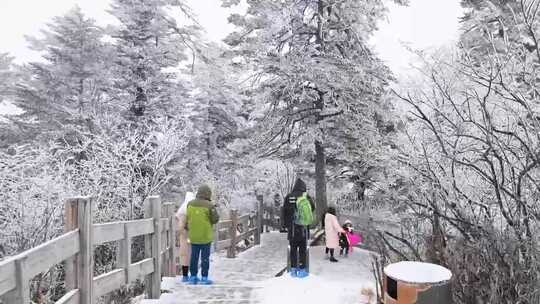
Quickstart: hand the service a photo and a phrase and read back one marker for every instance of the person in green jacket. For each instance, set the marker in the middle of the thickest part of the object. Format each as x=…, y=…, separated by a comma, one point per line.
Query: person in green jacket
x=202, y=215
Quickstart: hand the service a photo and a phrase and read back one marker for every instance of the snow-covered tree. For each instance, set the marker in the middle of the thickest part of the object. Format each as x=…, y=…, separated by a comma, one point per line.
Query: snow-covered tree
x=471, y=166
x=216, y=108
x=7, y=76
x=69, y=86
x=315, y=73
x=150, y=46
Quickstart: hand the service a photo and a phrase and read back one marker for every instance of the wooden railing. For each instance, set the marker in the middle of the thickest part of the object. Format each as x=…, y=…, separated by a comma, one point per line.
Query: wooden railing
x=75, y=249
x=271, y=218
x=235, y=230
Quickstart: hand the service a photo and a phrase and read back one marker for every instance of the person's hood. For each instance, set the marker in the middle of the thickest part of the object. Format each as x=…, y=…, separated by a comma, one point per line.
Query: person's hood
x=299, y=186
x=204, y=193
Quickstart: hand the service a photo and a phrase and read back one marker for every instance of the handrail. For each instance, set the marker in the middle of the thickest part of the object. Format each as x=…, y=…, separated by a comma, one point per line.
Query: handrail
x=75, y=249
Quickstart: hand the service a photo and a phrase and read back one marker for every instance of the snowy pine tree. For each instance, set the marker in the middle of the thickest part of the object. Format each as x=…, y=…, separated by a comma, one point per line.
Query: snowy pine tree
x=69, y=87
x=150, y=46
x=316, y=75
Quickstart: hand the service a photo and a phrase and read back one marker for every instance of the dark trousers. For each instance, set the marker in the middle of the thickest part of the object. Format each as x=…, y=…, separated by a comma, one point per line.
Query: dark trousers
x=344, y=248
x=330, y=250
x=298, y=243
x=202, y=250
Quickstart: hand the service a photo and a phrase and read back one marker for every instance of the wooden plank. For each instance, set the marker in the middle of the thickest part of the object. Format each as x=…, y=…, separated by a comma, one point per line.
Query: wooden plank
x=139, y=270
x=7, y=276
x=246, y=235
x=43, y=257
x=244, y=220
x=164, y=224
x=140, y=227
x=108, y=282
x=108, y=232
x=85, y=266
x=72, y=297
x=221, y=245
x=224, y=224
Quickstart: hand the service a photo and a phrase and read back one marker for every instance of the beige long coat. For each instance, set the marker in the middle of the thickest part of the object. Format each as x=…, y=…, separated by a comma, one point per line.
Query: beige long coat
x=185, y=245
x=331, y=229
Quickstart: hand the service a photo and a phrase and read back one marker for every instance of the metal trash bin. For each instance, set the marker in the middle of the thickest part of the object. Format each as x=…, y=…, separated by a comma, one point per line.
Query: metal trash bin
x=416, y=283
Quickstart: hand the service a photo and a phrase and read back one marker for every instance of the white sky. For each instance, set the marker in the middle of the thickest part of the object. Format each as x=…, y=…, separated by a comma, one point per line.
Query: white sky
x=423, y=24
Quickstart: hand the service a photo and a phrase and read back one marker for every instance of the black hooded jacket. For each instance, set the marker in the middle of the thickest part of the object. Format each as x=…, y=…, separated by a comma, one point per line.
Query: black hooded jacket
x=289, y=203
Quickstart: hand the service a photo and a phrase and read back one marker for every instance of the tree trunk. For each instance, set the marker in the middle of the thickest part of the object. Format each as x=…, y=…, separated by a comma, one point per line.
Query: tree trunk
x=320, y=180
x=320, y=158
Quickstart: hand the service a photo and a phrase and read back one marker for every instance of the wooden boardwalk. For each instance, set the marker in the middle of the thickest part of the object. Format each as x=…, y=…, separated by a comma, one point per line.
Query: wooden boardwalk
x=250, y=278
x=235, y=280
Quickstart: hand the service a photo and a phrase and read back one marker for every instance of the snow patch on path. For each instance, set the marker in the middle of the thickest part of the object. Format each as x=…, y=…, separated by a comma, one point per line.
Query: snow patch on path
x=313, y=289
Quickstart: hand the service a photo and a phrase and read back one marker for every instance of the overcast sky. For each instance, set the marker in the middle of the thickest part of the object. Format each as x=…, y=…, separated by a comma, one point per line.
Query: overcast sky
x=425, y=23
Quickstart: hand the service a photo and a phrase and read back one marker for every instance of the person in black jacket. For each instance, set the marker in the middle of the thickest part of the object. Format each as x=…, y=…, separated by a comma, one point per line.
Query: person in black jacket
x=344, y=239
x=296, y=234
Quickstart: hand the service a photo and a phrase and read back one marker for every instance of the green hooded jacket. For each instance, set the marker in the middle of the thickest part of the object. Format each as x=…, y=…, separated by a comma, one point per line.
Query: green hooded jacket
x=201, y=216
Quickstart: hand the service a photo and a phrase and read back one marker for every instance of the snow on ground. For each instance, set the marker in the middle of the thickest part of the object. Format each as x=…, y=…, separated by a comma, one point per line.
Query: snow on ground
x=249, y=279
x=328, y=283
x=313, y=289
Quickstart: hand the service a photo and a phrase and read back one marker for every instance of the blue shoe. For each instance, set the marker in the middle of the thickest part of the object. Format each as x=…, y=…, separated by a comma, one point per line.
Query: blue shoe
x=185, y=279
x=193, y=280
x=302, y=273
x=294, y=272
x=205, y=281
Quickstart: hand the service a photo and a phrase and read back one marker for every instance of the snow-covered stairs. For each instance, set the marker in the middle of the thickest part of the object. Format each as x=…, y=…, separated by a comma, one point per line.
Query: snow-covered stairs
x=235, y=280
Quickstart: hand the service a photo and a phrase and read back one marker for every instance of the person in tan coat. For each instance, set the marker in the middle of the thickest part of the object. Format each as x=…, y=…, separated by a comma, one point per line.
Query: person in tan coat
x=332, y=229
x=185, y=245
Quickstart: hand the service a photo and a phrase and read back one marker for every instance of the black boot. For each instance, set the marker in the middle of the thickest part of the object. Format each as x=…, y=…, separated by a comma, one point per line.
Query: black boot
x=332, y=259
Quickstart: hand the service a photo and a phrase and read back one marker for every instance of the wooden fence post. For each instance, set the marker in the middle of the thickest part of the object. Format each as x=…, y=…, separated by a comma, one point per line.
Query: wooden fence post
x=216, y=236
x=85, y=260
x=231, y=251
x=148, y=247
x=171, y=234
x=124, y=253
x=21, y=294
x=152, y=246
x=71, y=216
x=270, y=223
x=155, y=277
x=260, y=223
